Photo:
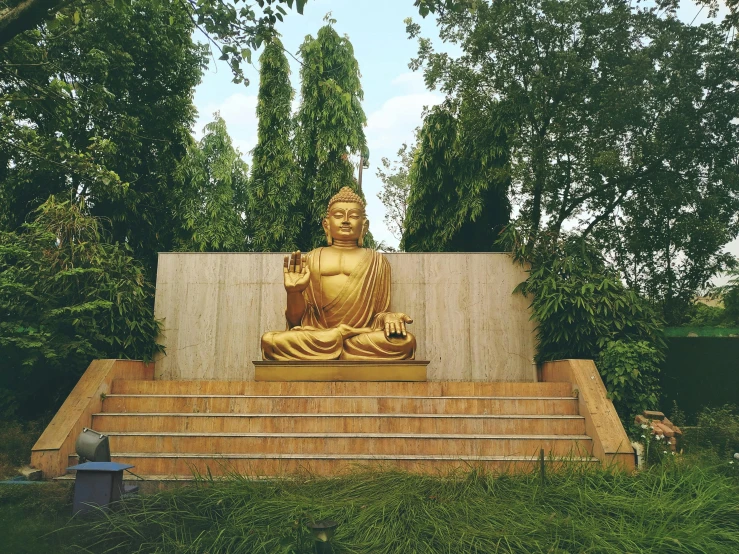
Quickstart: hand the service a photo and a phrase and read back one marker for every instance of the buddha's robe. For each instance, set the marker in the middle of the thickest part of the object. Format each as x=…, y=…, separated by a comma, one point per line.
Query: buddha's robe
x=323, y=333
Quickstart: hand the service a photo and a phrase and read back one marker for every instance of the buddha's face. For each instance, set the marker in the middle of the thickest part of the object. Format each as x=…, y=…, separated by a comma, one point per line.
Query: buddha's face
x=346, y=221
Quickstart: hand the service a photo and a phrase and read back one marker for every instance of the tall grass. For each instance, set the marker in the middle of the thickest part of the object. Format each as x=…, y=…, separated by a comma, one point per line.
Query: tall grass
x=681, y=507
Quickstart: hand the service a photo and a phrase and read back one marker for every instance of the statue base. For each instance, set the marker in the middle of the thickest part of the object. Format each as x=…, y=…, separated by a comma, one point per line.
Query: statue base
x=341, y=370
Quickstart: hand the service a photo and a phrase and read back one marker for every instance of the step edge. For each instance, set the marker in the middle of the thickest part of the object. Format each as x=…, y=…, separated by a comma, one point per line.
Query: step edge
x=423, y=436
x=275, y=456
x=342, y=415
x=411, y=397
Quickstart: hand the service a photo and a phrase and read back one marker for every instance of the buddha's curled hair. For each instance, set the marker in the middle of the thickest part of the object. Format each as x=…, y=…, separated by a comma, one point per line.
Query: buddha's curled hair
x=346, y=194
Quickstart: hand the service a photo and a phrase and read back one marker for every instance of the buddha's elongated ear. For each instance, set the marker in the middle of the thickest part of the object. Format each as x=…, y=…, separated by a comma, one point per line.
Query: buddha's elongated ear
x=329, y=238
x=365, y=228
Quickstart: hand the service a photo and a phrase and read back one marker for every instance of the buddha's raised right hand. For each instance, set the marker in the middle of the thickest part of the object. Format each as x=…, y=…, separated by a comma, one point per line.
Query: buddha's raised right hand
x=296, y=272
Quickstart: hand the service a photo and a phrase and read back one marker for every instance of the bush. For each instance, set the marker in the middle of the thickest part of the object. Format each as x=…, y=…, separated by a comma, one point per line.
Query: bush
x=702, y=315
x=16, y=441
x=717, y=430
x=577, y=300
x=630, y=371
x=583, y=310
x=66, y=297
x=731, y=302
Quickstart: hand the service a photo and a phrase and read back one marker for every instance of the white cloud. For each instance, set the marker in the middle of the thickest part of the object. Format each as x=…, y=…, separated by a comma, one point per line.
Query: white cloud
x=411, y=82
x=395, y=122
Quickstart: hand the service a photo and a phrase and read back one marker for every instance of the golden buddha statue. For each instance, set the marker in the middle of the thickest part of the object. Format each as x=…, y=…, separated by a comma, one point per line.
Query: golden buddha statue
x=338, y=297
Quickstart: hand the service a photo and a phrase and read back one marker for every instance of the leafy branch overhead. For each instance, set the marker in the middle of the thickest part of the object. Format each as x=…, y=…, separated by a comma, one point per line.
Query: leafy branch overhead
x=235, y=28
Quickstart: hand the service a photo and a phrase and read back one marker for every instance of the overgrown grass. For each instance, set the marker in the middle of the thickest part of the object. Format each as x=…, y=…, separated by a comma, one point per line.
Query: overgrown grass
x=36, y=519
x=687, y=506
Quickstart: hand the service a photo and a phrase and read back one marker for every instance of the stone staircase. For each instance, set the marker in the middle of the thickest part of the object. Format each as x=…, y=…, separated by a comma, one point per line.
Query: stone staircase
x=172, y=429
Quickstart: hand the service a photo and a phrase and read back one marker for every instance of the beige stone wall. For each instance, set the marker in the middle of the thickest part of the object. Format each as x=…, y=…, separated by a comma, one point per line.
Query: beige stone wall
x=467, y=322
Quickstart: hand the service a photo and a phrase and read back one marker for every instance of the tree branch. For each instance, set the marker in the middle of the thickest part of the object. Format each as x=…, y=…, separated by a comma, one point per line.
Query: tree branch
x=26, y=15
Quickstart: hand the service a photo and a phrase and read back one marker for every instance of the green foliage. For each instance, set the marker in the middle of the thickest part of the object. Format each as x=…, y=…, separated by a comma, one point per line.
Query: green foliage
x=458, y=182
x=275, y=179
x=622, y=124
x=702, y=315
x=67, y=296
x=214, y=207
x=16, y=440
x=630, y=371
x=730, y=297
x=717, y=430
x=677, y=508
x=396, y=187
x=579, y=303
x=36, y=518
x=234, y=30
x=102, y=111
x=330, y=125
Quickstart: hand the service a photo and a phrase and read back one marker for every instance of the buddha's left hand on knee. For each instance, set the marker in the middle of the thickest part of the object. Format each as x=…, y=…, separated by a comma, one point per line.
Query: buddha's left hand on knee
x=393, y=323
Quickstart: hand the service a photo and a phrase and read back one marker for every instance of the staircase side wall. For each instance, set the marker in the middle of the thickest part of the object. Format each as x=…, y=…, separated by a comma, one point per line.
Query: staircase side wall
x=467, y=321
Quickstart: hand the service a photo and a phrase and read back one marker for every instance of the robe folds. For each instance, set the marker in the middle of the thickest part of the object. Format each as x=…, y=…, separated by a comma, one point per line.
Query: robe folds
x=348, y=327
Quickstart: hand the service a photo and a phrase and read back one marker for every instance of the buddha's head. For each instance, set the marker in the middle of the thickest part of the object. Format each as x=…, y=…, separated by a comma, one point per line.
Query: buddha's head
x=346, y=219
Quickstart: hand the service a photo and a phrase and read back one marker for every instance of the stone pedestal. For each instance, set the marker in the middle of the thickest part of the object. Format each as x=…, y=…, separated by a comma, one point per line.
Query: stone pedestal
x=406, y=370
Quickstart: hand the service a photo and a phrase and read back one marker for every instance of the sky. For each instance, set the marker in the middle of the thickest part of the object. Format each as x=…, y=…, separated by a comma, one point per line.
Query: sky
x=394, y=96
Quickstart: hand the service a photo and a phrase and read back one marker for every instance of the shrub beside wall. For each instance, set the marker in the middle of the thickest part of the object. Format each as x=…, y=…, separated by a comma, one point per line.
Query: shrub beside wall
x=67, y=296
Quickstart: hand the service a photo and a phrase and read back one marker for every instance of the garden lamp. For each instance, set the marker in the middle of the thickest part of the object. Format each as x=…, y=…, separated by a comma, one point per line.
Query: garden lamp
x=323, y=531
x=92, y=446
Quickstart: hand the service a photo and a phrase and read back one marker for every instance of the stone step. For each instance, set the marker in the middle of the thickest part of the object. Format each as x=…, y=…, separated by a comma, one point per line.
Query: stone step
x=429, y=388
x=339, y=404
x=350, y=443
x=341, y=423
x=159, y=465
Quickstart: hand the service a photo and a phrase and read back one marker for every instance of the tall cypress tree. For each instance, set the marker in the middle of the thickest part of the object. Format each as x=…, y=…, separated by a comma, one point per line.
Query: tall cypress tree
x=330, y=125
x=213, y=202
x=458, y=182
x=275, y=181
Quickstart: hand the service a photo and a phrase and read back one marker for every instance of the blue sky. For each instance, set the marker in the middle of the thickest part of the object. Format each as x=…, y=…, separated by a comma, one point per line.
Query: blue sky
x=394, y=96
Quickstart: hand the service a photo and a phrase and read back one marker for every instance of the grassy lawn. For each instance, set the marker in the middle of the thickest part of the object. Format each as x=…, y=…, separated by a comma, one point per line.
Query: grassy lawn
x=691, y=505
x=34, y=518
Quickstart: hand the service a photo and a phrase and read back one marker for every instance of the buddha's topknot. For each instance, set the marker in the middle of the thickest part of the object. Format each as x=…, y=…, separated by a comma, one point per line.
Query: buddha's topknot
x=346, y=194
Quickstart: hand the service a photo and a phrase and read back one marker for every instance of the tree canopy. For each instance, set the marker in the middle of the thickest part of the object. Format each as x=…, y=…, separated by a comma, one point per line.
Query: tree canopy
x=102, y=112
x=458, y=184
x=396, y=187
x=275, y=186
x=621, y=122
x=235, y=30
x=214, y=196
x=330, y=125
